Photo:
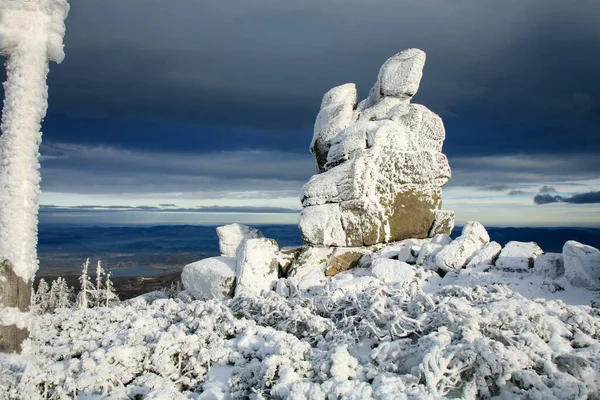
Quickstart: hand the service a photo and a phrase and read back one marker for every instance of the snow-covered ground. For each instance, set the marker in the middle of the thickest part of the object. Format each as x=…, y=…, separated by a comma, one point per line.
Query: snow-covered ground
x=480, y=332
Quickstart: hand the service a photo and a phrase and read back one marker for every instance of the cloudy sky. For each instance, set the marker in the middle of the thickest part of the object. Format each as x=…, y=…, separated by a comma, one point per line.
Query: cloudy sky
x=202, y=111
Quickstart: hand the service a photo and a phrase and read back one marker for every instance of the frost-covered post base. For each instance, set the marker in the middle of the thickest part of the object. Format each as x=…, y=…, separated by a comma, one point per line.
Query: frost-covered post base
x=16, y=295
x=31, y=35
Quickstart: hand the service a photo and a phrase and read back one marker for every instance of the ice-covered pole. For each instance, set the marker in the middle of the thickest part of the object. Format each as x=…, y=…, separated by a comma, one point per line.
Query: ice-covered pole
x=31, y=35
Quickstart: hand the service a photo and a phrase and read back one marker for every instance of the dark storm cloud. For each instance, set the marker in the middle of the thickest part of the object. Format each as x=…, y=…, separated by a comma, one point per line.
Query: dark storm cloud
x=523, y=168
x=147, y=81
x=547, y=189
x=547, y=199
x=101, y=169
x=502, y=66
x=581, y=198
x=584, y=198
x=517, y=193
x=493, y=188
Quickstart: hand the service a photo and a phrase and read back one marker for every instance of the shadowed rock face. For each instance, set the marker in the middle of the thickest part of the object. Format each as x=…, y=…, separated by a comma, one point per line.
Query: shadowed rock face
x=379, y=163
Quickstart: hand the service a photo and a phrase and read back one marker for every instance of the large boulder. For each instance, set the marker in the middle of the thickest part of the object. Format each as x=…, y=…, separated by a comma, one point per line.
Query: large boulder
x=211, y=278
x=582, y=265
x=232, y=237
x=380, y=166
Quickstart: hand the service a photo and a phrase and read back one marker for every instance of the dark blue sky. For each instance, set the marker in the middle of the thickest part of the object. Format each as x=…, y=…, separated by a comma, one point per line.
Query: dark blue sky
x=212, y=102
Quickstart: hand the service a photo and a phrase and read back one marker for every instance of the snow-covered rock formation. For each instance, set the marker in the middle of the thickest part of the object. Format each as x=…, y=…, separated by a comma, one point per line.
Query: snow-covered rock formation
x=380, y=163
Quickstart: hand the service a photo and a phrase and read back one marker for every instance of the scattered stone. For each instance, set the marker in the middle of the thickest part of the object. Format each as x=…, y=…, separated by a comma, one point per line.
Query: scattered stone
x=406, y=250
x=232, y=237
x=344, y=259
x=257, y=266
x=286, y=258
x=582, y=265
x=518, y=256
x=211, y=278
x=456, y=255
x=485, y=255
x=311, y=283
x=310, y=258
x=393, y=271
x=550, y=265
x=427, y=255
x=441, y=239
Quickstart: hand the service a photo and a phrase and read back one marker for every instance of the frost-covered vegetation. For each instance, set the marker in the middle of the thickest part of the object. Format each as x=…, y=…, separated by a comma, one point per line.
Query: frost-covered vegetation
x=355, y=336
x=57, y=295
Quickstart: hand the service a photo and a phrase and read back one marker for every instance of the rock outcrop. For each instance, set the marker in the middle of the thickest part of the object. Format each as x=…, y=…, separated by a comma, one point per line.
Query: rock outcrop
x=379, y=163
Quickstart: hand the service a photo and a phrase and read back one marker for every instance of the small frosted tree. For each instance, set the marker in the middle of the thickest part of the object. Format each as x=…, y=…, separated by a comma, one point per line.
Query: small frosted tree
x=62, y=294
x=41, y=296
x=109, y=291
x=31, y=34
x=86, y=296
x=98, y=292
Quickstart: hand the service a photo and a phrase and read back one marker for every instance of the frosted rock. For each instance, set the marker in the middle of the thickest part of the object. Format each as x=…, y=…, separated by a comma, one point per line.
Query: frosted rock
x=441, y=239
x=485, y=255
x=337, y=113
x=339, y=287
x=344, y=259
x=313, y=282
x=257, y=266
x=476, y=231
x=393, y=271
x=517, y=256
x=232, y=237
x=456, y=255
x=582, y=265
x=443, y=223
x=382, y=109
x=211, y=278
x=426, y=127
x=286, y=258
x=406, y=250
x=311, y=258
x=401, y=74
x=348, y=141
x=381, y=170
x=550, y=265
x=427, y=255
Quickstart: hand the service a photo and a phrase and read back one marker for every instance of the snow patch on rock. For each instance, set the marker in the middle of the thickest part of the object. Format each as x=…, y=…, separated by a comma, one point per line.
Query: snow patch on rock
x=257, y=266
x=211, y=278
x=518, y=255
x=233, y=236
x=582, y=265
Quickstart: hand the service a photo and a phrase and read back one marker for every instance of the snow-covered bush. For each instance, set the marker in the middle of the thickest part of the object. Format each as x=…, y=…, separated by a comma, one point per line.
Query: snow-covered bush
x=386, y=340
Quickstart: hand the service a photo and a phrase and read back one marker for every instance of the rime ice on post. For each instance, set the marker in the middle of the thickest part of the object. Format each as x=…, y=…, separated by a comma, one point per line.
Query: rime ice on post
x=31, y=34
